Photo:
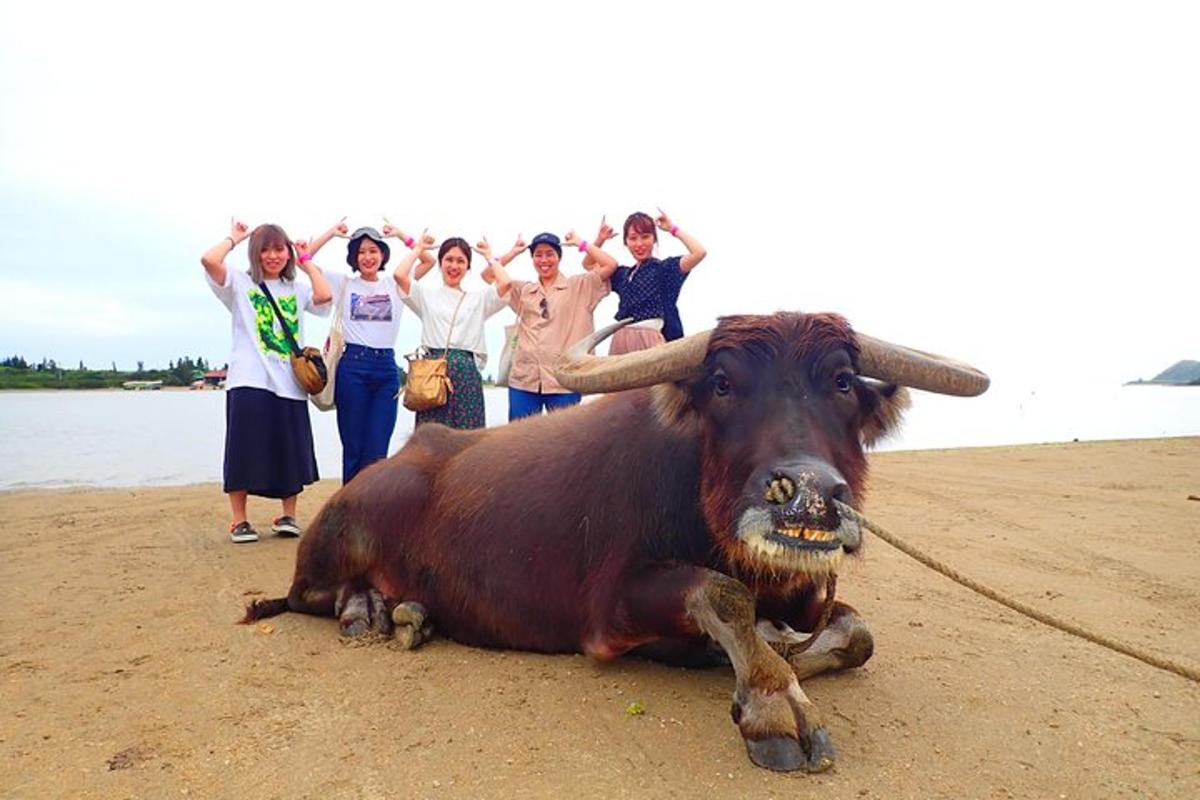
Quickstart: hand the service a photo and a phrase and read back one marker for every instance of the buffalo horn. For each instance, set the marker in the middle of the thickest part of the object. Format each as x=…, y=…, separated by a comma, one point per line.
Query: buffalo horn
x=581, y=371
x=904, y=366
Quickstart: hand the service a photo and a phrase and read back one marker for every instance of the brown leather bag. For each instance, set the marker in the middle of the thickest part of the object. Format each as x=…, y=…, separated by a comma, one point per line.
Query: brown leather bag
x=428, y=384
x=310, y=370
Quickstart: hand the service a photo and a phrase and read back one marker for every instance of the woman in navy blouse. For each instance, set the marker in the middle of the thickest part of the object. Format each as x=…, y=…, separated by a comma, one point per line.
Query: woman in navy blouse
x=649, y=290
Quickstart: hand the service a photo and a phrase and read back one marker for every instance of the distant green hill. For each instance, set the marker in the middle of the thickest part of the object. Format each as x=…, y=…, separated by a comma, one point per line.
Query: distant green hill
x=1181, y=373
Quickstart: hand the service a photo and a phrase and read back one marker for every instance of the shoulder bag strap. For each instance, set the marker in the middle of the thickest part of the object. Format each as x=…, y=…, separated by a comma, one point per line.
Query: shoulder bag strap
x=337, y=319
x=450, y=332
x=282, y=322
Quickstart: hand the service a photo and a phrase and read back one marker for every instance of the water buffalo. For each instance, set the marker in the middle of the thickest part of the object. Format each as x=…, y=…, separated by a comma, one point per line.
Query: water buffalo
x=693, y=505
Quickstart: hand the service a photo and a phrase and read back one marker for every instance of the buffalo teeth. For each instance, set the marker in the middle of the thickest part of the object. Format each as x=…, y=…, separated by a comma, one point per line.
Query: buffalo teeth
x=807, y=534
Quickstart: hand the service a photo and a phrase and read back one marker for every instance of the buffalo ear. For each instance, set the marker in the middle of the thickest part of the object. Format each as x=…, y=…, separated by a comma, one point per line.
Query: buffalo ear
x=883, y=406
x=672, y=402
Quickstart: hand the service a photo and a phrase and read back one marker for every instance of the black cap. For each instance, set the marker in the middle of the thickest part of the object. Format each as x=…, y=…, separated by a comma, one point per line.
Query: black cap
x=546, y=238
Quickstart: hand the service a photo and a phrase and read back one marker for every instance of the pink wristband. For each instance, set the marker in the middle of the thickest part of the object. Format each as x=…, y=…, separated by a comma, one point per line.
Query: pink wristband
x=305, y=258
x=409, y=242
x=674, y=230
x=583, y=246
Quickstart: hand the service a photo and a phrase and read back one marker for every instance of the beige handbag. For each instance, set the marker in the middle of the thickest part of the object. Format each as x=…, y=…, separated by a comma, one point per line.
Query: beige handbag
x=506, y=355
x=428, y=384
x=334, y=345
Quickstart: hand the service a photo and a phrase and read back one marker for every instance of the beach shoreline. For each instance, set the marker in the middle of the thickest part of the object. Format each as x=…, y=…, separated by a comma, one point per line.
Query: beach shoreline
x=125, y=675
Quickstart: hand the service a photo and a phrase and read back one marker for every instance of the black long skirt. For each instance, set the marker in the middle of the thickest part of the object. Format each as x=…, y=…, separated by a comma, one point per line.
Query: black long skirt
x=268, y=444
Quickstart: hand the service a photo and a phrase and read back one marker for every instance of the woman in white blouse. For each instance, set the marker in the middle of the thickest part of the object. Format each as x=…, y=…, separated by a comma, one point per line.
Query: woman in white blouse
x=452, y=324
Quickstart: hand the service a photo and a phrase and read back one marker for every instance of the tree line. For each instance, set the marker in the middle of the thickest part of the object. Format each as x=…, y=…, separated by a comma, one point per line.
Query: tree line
x=18, y=373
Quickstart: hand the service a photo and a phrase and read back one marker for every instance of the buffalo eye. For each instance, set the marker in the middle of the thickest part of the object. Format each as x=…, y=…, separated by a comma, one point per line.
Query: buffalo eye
x=721, y=385
x=844, y=381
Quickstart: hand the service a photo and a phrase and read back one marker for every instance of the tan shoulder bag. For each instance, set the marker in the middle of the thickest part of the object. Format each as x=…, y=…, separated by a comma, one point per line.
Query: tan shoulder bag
x=428, y=384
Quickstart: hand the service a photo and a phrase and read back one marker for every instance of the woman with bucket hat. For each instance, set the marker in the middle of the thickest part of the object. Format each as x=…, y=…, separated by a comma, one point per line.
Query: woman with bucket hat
x=553, y=313
x=367, y=380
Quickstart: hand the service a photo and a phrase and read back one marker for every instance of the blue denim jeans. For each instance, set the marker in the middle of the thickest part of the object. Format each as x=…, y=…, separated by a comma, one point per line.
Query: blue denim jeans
x=365, y=394
x=525, y=404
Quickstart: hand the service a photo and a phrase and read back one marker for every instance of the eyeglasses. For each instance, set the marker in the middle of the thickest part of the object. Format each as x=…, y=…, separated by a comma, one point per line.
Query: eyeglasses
x=545, y=308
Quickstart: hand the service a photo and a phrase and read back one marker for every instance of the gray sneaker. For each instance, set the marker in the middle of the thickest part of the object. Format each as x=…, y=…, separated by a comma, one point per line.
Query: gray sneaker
x=285, y=526
x=242, y=532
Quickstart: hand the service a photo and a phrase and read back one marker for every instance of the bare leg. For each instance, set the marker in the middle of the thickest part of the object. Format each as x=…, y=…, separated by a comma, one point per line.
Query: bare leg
x=289, y=506
x=237, y=506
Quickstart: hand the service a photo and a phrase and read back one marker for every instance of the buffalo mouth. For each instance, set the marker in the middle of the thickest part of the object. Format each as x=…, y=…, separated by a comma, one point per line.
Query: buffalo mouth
x=777, y=546
x=805, y=538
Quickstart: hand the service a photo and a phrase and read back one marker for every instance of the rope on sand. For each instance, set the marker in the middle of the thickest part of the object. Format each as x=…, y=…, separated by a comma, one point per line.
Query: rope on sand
x=1186, y=671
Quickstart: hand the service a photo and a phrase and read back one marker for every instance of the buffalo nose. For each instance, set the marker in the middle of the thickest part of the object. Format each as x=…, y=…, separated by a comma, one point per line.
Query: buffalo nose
x=804, y=495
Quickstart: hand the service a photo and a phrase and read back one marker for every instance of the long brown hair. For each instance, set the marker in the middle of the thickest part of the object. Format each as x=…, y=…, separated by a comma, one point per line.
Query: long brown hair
x=261, y=238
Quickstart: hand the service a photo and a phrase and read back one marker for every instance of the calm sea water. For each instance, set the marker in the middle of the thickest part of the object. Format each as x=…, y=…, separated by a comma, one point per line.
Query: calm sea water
x=114, y=438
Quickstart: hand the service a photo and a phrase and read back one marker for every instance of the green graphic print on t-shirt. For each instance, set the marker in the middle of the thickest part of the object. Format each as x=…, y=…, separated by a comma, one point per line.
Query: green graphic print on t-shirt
x=271, y=339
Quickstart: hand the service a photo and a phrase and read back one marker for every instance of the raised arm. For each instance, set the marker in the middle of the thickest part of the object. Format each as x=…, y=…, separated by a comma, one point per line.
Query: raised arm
x=214, y=258
x=602, y=263
x=695, y=250
x=339, y=230
x=419, y=251
x=322, y=293
x=426, y=259
x=503, y=282
x=518, y=247
x=603, y=235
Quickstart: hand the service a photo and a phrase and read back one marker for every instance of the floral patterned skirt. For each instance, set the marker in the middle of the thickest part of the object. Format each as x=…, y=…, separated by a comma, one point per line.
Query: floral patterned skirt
x=464, y=409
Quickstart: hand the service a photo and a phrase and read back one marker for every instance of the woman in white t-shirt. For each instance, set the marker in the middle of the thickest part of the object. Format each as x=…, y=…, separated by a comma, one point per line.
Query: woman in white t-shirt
x=452, y=325
x=268, y=437
x=368, y=381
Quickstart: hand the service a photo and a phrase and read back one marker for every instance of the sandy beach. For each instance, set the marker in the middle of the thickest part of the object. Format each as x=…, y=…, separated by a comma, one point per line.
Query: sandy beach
x=124, y=675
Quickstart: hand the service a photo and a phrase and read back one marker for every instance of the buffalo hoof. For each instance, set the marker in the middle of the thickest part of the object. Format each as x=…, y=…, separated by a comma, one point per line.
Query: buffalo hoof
x=363, y=612
x=820, y=751
x=413, y=627
x=785, y=754
x=355, y=627
x=780, y=753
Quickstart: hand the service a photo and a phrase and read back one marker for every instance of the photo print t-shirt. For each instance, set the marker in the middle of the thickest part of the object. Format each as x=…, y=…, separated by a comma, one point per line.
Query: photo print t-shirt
x=371, y=316
x=261, y=355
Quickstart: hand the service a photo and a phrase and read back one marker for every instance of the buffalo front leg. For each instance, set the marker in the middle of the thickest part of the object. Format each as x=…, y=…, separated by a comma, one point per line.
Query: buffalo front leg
x=780, y=726
x=846, y=642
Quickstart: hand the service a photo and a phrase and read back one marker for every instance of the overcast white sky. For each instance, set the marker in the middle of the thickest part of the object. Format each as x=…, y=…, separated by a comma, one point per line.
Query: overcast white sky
x=1013, y=184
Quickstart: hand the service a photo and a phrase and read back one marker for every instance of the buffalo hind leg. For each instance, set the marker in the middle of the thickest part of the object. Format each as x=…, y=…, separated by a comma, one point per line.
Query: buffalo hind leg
x=845, y=643
x=780, y=726
x=413, y=626
x=360, y=611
